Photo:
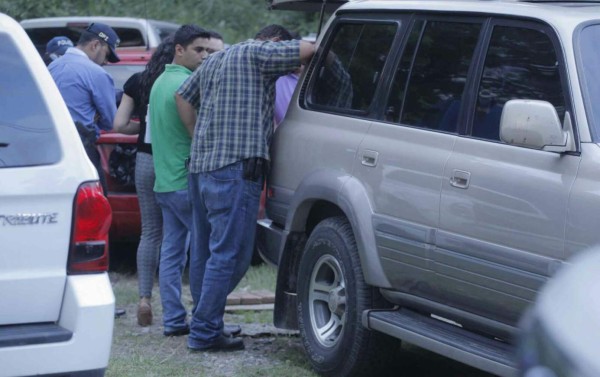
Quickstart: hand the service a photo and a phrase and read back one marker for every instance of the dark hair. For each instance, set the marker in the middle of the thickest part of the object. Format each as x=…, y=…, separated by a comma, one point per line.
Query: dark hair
x=214, y=35
x=187, y=34
x=164, y=54
x=86, y=37
x=274, y=31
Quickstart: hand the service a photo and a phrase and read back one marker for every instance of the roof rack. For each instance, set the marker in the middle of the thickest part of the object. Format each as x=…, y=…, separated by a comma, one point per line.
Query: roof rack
x=560, y=1
x=306, y=5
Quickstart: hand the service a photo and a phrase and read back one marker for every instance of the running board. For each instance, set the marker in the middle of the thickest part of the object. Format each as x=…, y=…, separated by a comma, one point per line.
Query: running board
x=445, y=339
x=32, y=334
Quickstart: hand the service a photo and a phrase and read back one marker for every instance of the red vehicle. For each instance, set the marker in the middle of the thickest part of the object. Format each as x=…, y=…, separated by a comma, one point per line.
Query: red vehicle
x=117, y=152
x=139, y=38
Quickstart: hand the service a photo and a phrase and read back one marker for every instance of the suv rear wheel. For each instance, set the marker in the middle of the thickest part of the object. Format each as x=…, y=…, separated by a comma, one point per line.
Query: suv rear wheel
x=332, y=295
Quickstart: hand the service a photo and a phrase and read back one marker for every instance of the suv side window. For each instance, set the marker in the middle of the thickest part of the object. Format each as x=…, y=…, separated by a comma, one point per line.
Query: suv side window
x=438, y=76
x=27, y=134
x=521, y=63
x=348, y=75
x=589, y=61
x=394, y=105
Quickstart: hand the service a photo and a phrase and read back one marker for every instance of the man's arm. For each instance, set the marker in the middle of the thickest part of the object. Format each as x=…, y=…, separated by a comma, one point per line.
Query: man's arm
x=307, y=50
x=187, y=113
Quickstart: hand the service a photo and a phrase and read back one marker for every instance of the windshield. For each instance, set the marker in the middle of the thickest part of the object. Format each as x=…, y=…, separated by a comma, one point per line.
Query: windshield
x=589, y=54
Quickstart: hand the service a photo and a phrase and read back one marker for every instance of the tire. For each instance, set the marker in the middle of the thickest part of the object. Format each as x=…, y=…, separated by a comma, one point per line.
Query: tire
x=332, y=295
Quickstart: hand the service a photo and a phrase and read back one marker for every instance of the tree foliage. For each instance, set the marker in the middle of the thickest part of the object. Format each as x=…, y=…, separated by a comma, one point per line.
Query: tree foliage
x=236, y=20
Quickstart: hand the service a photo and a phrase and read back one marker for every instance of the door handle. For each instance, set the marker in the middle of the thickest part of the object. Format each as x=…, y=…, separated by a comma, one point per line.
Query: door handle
x=369, y=158
x=460, y=179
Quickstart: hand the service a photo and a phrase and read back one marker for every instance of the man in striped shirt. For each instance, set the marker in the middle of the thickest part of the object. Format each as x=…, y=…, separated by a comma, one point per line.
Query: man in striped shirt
x=234, y=92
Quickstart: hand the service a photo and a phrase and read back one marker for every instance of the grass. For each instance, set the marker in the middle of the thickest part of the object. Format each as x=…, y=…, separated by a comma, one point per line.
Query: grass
x=258, y=278
x=144, y=351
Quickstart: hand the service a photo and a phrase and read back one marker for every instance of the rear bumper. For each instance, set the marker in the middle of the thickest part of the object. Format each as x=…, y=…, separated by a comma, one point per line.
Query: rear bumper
x=126, y=220
x=88, y=313
x=126, y=223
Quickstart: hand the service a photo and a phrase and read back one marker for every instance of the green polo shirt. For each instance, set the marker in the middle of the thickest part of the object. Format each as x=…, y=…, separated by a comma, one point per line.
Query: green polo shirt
x=170, y=139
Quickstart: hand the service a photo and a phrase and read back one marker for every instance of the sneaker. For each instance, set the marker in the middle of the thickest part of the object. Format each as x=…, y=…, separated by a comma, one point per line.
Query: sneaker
x=119, y=312
x=144, y=312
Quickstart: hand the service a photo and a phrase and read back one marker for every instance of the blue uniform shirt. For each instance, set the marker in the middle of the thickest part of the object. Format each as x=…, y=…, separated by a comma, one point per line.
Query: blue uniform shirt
x=87, y=89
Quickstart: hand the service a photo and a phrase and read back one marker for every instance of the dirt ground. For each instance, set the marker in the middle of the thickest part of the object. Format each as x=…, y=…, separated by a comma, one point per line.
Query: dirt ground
x=145, y=352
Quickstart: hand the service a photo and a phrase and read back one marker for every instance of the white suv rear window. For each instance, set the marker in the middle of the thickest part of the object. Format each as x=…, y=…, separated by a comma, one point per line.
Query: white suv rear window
x=27, y=134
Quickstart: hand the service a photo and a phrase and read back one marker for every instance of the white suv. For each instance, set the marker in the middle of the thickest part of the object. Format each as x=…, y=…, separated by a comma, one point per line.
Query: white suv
x=56, y=301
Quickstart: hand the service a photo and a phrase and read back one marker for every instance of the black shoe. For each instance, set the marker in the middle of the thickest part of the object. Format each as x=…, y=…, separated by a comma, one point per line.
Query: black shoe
x=177, y=332
x=222, y=344
x=231, y=330
x=119, y=312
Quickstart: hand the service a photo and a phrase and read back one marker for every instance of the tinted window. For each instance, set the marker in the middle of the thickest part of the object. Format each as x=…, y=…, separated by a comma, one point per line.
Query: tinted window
x=27, y=134
x=129, y=37
x=520, y=63
x=396, y=98
x=348, y=77
x=41, y=36
x=589, y=54
x=438, y=76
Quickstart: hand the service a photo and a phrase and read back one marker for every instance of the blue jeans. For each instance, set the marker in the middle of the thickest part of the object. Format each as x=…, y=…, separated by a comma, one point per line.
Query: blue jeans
x=177, y=219
x=225, y=207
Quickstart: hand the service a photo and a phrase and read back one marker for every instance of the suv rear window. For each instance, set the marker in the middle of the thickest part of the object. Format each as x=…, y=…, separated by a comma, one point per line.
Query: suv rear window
x=27, y=134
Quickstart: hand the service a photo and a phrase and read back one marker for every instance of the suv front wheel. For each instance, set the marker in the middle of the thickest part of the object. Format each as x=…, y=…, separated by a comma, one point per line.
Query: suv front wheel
x=332, y=295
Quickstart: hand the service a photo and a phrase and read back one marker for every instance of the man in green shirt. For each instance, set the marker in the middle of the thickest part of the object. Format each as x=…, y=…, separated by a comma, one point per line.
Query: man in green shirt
x=171, y=142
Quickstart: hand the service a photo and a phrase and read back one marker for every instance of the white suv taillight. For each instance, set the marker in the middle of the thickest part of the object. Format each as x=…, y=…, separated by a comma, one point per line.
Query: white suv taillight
x=92, y=215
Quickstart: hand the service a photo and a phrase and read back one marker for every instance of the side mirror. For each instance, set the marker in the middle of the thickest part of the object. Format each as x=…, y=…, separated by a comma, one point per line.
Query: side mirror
x=535, y=124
